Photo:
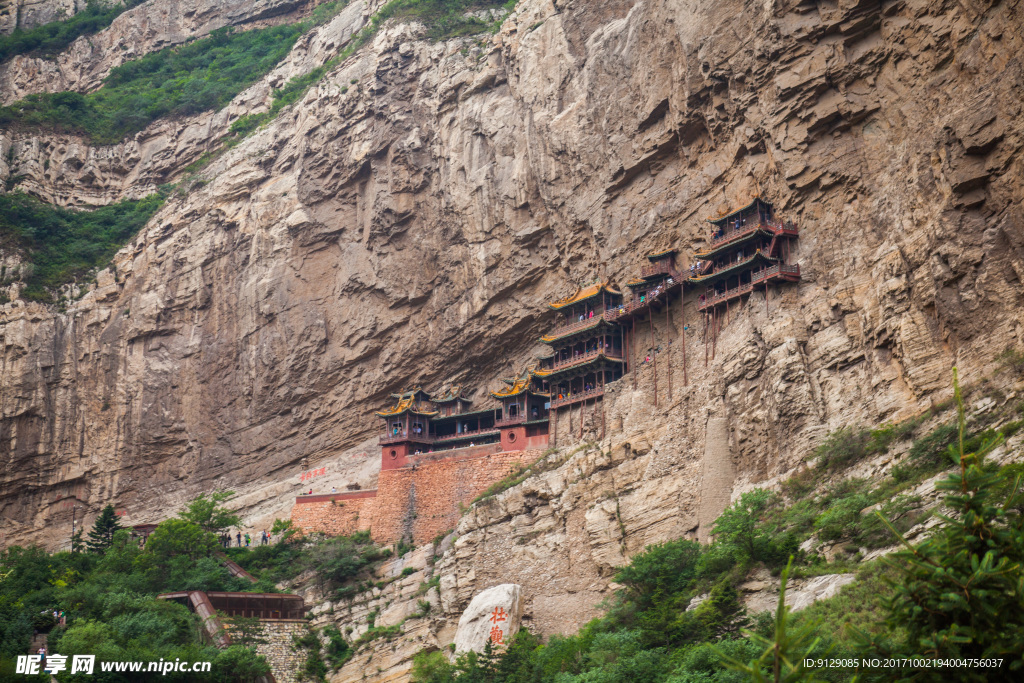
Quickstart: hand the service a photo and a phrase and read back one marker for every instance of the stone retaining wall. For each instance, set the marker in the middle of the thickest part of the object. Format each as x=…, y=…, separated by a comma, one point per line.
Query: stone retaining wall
x=340, y=514
x=418, y=502
x=279, y=649
x=424, y=501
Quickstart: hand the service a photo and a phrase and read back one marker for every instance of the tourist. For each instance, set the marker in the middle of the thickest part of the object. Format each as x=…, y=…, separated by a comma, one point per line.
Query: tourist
x=42, y=657
x=268, y=537
x=311, y=491
x=334, y=490
x=263, y=537
x=591, y=314
x=248, y=539
x=238, y=536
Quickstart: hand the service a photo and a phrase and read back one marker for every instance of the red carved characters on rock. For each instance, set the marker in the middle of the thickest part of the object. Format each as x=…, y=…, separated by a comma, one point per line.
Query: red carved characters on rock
x=498, y=615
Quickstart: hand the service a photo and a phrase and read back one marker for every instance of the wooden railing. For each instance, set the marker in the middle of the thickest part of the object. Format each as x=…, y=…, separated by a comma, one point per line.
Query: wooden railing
x=663, y=268
x=777, y=227
x=573, y=398
x=577, y=325
x=472, y=432
x=511, y=421
x=591, y=355
x=625, y=309
x=759, y=277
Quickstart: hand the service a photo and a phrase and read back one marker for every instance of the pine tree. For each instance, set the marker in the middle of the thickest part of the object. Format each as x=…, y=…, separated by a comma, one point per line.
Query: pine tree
x=787, y=653
x=960, y=593
x=102, y=534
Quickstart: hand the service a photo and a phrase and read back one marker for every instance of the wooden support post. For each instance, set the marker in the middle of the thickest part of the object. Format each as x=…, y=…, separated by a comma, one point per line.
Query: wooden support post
x=716, y=321
x=682, y=313
x=582, y=407
x=632, y=345
x=654, y=357
x=553, y=426
x=668, y=321
x=705, y=314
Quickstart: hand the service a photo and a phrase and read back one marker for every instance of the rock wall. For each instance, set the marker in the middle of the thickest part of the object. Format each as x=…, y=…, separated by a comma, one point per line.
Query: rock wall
x=408, y=228
x=149, y=27
x=25, y=14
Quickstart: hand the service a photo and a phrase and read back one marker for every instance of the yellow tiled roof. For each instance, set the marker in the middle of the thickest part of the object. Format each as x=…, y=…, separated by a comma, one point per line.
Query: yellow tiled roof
x=658, y=254
x=518, y=386
x=404, y=404
x=582, y=294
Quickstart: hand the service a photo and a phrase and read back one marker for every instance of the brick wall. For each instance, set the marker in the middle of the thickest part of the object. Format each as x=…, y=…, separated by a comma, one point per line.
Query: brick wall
x=340, y=514
x=284, y=659
x=419, y=501
x=423, y=501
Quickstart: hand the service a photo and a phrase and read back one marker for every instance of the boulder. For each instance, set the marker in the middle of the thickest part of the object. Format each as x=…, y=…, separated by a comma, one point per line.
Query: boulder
x=493, y=615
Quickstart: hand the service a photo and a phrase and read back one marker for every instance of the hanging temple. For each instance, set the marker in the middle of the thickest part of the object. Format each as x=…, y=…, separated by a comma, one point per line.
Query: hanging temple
x=594, y=341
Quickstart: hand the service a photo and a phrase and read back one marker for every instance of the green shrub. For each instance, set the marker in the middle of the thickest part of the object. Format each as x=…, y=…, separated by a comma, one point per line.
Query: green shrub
x=660, y=571
x=931, y=448
x=57, y=35
x=1012, y=359
x=337, y=650
x=62, y=244
x=842, y=517
x=842, y=448
x=178, y=81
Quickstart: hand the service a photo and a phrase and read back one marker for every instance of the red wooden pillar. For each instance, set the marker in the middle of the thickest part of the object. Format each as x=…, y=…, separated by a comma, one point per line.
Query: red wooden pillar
x=682, y=313
x=654, y=356
x=671, y=330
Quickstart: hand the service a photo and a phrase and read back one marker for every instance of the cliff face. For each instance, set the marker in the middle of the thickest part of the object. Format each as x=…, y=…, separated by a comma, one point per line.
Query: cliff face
x=405, y=222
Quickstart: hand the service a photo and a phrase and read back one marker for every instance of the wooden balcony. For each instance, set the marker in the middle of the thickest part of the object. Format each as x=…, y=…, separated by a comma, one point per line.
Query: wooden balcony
x=571, y=327
x=577, y=398
x=790, y=273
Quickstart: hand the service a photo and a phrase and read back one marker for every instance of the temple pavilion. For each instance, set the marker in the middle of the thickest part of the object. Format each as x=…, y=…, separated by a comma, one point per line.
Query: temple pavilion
x=524, y=412
x=587, y=348
x=749, y=249
x=420, y=423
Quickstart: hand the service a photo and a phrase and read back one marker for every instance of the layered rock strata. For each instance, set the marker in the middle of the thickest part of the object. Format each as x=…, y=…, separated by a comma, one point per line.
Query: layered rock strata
x=405, y=222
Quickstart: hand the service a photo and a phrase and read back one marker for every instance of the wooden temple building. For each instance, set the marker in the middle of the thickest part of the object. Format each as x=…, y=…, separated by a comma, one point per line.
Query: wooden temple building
x=748, y=250
x=598, y=338
x=419, y=423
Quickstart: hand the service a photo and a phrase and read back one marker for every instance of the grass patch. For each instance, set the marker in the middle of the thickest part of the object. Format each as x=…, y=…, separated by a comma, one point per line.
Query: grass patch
x=50, y=38
x=61, y=245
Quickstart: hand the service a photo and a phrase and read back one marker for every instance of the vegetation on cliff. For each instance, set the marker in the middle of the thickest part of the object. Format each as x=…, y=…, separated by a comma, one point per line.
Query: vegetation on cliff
x=678, y=617
x=178, y=81
x=60, y=245
x=54, y=36
x=109, y=594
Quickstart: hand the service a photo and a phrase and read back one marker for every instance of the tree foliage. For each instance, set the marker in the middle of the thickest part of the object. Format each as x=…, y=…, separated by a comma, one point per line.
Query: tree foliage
x=960, y=593
x=199, y=76
x=206, y=512
x=102, y=534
